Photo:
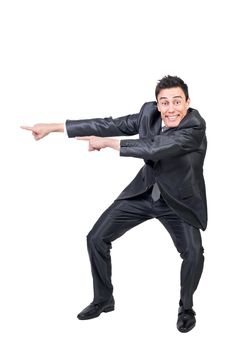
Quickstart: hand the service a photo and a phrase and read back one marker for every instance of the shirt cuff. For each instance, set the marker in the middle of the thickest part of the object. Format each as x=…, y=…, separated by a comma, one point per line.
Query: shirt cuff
x=65, y=130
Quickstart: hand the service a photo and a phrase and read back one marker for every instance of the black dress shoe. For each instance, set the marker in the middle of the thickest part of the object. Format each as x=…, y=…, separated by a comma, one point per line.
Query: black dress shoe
x=186, y=320
x=94, y=310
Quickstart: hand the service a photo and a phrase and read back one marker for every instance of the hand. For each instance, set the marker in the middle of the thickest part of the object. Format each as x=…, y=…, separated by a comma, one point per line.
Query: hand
x=41, y=130
x=97, y=143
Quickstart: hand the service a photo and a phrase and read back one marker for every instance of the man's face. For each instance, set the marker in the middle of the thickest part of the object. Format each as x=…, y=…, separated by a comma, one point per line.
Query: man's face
x=172, y=105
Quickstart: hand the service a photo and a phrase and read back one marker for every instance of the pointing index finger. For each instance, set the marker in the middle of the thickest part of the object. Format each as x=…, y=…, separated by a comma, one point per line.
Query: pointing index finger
x=30, y=128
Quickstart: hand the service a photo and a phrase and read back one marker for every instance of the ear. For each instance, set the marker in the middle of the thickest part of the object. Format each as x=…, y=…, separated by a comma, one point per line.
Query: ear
x=188, y=102
x=158, y=107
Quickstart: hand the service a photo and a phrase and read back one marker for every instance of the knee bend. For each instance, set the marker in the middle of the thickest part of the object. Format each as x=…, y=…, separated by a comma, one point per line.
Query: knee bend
x=193, y=254
x=97, y=243
x=91, y=239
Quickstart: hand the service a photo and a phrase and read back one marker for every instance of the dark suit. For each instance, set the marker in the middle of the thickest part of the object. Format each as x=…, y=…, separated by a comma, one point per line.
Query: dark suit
x=174, y=159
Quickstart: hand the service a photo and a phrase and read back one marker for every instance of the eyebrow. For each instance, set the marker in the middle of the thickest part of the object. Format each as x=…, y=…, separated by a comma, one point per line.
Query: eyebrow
x=165, y=98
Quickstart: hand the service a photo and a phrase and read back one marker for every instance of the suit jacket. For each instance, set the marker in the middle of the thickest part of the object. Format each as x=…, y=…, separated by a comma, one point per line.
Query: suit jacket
x=173, y=158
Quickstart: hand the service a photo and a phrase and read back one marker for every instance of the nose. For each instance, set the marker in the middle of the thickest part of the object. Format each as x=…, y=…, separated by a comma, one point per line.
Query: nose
x=171, y=108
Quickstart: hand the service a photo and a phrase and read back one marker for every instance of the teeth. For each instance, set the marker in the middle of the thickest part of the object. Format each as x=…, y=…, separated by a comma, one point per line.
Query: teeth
x=172, y=117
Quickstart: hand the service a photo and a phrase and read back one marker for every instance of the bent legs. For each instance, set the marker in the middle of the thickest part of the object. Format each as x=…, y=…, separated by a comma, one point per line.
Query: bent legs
x=187, y=240
x=123, y=215
x=120, y=217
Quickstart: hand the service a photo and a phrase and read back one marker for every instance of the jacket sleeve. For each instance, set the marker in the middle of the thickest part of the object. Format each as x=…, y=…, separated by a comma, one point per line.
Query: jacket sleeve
x=105, y=127
x=175, y=143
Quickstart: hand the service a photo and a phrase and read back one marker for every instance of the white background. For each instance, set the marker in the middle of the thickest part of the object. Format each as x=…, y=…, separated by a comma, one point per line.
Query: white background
x=83, y=59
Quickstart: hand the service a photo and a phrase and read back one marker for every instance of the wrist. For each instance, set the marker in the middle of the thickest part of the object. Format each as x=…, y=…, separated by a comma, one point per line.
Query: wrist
x=56, y=127
x=115, y=144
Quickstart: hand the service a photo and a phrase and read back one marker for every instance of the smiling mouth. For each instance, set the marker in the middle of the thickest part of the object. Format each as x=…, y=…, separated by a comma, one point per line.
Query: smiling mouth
x=172, y=117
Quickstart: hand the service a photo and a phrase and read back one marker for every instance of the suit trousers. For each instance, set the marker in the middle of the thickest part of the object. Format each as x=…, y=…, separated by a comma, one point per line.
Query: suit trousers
x=123, y=215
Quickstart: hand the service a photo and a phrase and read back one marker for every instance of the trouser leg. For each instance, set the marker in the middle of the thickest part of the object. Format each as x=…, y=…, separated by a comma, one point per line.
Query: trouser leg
x=121, y=216
x=187, y=240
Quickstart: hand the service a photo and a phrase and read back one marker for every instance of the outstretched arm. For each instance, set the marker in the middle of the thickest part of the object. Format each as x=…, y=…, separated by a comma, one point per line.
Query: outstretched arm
x=41, y=130
x=97, y=143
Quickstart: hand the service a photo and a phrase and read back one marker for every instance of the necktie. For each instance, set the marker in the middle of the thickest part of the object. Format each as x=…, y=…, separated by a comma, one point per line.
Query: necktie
x=164, y=128
x=155, y=194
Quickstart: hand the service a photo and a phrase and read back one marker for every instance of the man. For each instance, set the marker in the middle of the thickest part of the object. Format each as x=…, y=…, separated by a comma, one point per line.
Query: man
x=169, y=187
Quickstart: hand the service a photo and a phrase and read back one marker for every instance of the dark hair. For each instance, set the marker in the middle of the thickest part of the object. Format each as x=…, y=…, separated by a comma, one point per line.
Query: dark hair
x=168, y=82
